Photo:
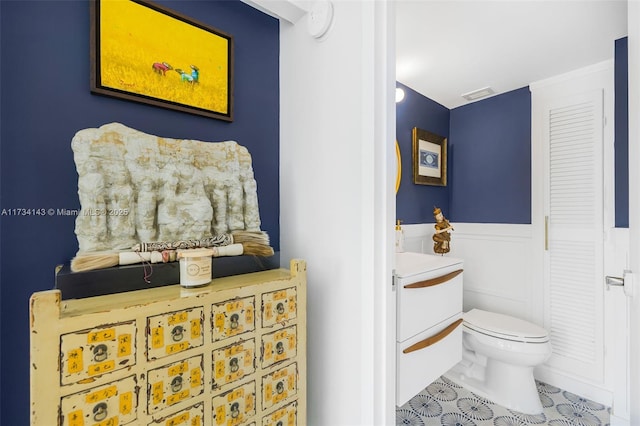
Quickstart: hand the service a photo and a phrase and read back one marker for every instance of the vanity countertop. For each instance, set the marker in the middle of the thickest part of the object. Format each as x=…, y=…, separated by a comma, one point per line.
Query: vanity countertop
x=409, y=263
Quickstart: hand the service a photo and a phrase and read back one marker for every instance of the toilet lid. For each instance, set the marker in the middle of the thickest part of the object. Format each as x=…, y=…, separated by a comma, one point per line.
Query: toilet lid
x=505, y=327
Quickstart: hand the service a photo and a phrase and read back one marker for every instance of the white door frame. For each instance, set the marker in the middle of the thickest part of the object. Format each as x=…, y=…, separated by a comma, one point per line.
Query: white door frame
x=633, y=14
x=367, y=396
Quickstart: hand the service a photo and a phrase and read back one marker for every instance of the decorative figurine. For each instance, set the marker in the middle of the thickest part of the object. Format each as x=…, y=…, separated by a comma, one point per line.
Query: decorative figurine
x=441, y=237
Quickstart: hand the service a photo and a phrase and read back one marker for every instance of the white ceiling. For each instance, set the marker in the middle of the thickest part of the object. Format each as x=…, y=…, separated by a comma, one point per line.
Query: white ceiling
x=447, y=48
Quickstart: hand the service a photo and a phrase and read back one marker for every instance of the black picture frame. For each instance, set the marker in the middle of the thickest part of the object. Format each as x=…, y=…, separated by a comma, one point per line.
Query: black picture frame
x=144, y=52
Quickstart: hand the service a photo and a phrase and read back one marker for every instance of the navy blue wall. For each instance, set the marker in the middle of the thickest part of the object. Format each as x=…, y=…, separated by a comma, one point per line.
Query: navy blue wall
x=490, y=155
x=414, y=203
x=44, y=77
x=622, y=133
x=491, y=168
x=489, y=159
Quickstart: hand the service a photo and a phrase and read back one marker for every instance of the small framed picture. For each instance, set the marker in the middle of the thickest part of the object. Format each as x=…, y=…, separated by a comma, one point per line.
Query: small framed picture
x=429, y=158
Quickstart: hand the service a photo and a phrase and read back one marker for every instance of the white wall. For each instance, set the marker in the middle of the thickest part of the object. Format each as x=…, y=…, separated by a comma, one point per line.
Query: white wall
x=337, y=120
x=331, y=118
x=499, y=277
x=497, y=264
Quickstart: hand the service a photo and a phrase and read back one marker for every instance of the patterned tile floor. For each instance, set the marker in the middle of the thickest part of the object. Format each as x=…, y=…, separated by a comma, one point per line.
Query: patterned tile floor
x=445, y=403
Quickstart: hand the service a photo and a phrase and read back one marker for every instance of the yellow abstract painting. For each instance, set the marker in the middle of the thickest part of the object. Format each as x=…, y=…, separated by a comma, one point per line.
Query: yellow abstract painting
x=149, y=53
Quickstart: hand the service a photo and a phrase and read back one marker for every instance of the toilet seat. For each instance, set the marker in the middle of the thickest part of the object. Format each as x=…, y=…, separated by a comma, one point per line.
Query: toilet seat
x=504, y=327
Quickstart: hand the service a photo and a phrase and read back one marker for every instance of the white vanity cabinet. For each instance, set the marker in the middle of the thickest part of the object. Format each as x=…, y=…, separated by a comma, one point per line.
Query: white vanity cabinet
x=429, y=315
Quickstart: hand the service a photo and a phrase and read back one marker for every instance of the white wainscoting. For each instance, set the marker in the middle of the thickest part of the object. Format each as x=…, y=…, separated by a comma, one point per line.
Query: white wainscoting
x=499, y=277
x=497, y=265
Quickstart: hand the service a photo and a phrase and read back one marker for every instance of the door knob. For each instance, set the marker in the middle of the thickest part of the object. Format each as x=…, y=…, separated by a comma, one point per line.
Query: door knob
x=615, y=281
x=626, y=281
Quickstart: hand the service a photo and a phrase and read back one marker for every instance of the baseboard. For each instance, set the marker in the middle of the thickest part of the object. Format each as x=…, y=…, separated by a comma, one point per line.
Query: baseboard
x=618, y=421
x=574, y=385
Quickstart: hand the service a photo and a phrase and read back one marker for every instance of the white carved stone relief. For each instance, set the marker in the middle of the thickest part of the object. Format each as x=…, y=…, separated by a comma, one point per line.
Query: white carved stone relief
x=135, y=187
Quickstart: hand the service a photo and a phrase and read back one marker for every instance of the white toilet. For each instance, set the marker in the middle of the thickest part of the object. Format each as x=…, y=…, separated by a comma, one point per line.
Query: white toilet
x=499, y=355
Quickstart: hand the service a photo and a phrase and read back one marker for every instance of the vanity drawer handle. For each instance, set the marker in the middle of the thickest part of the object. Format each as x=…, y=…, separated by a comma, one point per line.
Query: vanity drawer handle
x=433, y=339
x=435, y=281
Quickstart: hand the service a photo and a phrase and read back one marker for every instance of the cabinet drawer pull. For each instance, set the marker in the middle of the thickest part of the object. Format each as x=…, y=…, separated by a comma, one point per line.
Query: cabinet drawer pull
x=433, y=339
x=435, y=281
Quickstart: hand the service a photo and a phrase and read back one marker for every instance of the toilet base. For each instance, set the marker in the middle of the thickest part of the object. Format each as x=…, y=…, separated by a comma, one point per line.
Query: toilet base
x=519, y=392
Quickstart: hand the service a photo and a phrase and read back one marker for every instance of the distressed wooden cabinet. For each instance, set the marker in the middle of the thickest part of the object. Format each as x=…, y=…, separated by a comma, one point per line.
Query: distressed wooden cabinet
x=231, y=353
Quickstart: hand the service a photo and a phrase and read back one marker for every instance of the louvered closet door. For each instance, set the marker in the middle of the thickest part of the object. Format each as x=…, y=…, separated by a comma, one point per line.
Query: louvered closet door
x=574, y=257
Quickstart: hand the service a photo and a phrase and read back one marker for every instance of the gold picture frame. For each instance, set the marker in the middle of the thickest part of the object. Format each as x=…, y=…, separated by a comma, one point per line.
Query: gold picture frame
x=398, y=167
x=144, y=52
x=429, y=158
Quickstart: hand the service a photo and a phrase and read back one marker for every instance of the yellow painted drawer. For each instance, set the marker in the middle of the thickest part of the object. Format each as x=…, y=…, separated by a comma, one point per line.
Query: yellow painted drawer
x=278, y=306
x=279, y=346
x=279, y=385
x=285, y=416
x=231, y=353
x=173, y=332
x=235, y=407
x=173, y=383
x=233, y=362
x=192, y=416
x=112, y=404
x=90, y=353
x=232, y=317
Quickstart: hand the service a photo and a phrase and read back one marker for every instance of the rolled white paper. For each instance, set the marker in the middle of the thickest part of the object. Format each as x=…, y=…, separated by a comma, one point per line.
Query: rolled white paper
x=132, y=257
x=230, y=250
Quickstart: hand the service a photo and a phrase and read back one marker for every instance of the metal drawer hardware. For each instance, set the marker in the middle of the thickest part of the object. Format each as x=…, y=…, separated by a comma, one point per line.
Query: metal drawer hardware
x=100, y=353
x=176, y=384
x=177, y=333
x=100, y=412
x=233, y=365
x=234, y=321
x=433, y=339
x=435, y=281
x=235, y=410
